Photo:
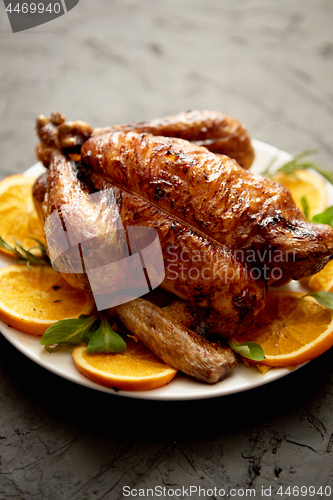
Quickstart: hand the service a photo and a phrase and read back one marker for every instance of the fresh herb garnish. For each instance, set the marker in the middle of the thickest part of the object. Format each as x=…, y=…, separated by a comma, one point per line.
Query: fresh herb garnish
x=249, y=350
x=93, y=330
x=25, y=256
x=305, y=207
x=106, y=340
x=298, y=163
x=325, y=217
x=72, y=331
x=325, y=299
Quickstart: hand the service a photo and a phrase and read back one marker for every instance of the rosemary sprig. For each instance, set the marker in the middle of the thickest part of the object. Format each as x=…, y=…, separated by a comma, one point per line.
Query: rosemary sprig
x=298, y=162
x=25, y=256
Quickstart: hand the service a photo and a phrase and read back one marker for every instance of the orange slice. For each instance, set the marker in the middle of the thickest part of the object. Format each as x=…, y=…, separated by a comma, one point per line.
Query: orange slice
x=18, y=216
x=304, y=183
x=136, y=369
x=322, y=281
x=31, y=301
x=288, y=334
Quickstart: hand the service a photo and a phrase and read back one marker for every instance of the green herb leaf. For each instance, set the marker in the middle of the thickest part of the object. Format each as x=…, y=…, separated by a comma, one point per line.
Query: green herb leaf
x=305, y=207
x=26, y=256
x=54, y=347
x=323, y=298
x=72, y=331
x=325, y=217
x=298, y=163
x=106, y=340
x=250, y=350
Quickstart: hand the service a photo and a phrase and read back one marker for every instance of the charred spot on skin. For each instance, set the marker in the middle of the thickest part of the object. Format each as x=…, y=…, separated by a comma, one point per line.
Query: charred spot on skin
x=119, y=164
x=202, y=329
x=171, y=156
x=244, y=303
x=159, y=192
x=298, y=230
x=119, y=200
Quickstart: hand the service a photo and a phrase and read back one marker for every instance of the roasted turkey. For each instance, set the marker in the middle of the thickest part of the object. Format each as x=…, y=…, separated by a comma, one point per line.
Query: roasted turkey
x=243, y=226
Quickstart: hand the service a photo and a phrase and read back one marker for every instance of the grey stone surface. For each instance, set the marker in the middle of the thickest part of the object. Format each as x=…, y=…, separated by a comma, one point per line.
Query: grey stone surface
x=270, y=64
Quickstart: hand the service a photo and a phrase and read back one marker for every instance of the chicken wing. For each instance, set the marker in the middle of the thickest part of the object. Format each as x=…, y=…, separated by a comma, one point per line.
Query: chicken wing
x=171, y=341
x=220, y=133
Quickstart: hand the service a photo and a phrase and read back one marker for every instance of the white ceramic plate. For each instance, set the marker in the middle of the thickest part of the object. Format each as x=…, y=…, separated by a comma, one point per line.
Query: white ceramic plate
x=182, y=387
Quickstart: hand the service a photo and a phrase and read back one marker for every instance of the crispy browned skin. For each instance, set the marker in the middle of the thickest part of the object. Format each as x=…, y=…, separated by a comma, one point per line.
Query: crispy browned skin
x=253, y=216
x=231, y=302
x=220, y=133
x=177, y=346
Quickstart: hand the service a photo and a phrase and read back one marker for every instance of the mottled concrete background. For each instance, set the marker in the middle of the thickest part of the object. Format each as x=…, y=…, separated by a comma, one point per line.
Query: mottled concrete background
x=270, y=64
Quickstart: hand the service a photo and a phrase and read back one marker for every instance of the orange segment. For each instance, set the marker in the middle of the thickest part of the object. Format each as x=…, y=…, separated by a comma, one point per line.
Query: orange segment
x=322, y=281
x=136, y=369
x=288, y=334
x=31, y=301
x=18, y=216
x=304, y=183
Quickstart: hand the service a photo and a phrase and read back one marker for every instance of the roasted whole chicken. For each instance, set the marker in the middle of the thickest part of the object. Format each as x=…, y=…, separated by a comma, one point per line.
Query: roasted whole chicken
x=210, y=214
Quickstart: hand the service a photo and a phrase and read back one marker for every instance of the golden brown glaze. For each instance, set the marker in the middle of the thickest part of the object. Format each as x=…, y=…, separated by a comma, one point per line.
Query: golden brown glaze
x=253, y=216
x=220, y=133
x=174, y=344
